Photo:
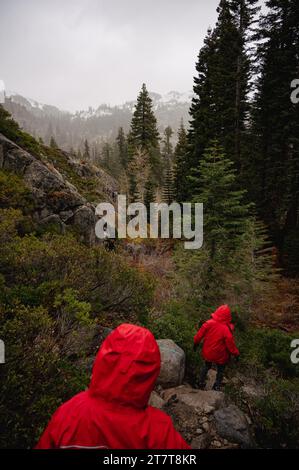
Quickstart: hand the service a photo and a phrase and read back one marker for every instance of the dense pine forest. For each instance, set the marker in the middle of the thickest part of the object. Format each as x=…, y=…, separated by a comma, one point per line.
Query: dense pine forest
x=61, y=290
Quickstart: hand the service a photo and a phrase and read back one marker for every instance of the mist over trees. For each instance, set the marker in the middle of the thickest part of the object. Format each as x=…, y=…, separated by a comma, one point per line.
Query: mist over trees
x=242, y=102
x=241, y=99
x=236, y=150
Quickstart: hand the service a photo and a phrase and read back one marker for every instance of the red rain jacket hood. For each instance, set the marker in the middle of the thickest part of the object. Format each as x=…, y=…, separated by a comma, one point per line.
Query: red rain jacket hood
x=114, y=413
x=126, y=367
x=222, y=314
x=217, y=336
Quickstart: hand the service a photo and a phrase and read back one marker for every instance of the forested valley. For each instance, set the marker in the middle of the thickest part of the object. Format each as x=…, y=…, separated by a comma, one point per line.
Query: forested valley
x=62, y=290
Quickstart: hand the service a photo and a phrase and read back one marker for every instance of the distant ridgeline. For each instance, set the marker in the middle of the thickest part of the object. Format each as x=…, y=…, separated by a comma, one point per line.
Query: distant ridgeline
x=70, y=130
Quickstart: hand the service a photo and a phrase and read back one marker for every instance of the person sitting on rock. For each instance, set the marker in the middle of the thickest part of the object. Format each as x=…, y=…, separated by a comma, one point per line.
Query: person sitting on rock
x=218, y=344
x=113, y=413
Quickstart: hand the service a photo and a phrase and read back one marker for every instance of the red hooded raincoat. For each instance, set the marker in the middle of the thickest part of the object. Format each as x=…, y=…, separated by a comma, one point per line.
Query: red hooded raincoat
x=218, y=340
x=114, y=413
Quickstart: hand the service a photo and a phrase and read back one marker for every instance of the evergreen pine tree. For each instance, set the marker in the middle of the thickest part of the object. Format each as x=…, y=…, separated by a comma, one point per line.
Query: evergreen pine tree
x=181, y=167
x=53, y=143
x=49, y=134
x=225, y=212
x=275, y=162
x=245, y=17
x=149, y=196
x=168, y=192
x=121, y=142
x=138, y=174
x=86, y=153
x=167, y=149
x=144, y=134
x=107, y=155
x=220, y=106
x=124, y=183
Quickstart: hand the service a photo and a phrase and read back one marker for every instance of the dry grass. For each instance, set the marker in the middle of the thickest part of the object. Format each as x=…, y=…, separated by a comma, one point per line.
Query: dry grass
x=156, y=258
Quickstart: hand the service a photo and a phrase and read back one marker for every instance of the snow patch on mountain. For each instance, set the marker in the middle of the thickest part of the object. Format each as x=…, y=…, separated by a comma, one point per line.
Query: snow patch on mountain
x=169, y=100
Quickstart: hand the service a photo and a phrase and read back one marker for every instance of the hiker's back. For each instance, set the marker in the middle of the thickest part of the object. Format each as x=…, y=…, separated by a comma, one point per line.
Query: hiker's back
x=85, y=422
x=214, y=346
x=114, y=413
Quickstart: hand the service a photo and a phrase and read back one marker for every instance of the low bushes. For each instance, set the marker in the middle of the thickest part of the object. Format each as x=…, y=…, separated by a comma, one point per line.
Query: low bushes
x=53, y=292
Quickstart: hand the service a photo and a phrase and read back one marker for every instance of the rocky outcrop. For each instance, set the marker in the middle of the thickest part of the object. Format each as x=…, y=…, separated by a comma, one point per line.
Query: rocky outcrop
x=57, y=202
x=205, y=418
x=107, y=185
x=172, y=363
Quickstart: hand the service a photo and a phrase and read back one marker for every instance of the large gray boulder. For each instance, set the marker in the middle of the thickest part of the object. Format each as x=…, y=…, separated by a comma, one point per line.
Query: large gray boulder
x=172, y=363
x=232, y=424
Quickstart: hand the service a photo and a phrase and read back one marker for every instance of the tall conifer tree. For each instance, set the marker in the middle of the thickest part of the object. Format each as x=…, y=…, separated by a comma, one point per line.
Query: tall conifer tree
x=181, y=166
x=220, y=106
x=225, y=211
x=122, y=147
x=144, y=132
x=275, y=162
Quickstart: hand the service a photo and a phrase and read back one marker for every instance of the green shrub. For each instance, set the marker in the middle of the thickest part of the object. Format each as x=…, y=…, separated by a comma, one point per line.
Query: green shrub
x=266, y=348
x=14, y=193
x=12, y=131
x=240, y=278
x=52, y=291
x=277, y=415
x=37, y=270
x=180, y=323
x=35, y=380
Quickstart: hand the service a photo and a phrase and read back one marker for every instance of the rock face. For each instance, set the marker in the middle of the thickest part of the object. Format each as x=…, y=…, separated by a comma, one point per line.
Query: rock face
x=172, y=363
x=203, y=417
x=108, y=184
x=192, y=412
x=232, y=424
x=57, y=202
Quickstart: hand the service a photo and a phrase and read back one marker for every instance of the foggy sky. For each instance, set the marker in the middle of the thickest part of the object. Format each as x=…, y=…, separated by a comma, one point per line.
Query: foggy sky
x=80, y=53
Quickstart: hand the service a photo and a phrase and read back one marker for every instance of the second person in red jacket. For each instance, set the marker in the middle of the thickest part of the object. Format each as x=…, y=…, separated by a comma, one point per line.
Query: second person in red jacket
x=218, y=344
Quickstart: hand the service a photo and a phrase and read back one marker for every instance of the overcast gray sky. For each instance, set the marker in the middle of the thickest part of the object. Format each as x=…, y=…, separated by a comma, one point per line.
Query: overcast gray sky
x=80, y=53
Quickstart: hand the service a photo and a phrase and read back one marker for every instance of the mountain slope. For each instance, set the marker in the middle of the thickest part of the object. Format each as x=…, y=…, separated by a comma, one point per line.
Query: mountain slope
x=64, y=191
x=95, y=124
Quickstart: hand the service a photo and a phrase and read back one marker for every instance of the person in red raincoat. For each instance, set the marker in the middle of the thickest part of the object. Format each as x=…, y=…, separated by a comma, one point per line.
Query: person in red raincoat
x=218, y=344
x=113, y=413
